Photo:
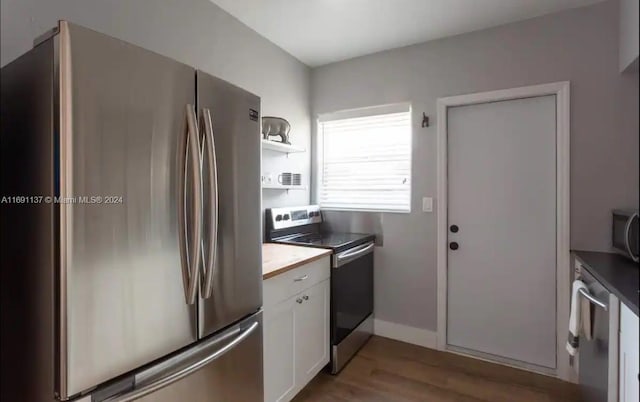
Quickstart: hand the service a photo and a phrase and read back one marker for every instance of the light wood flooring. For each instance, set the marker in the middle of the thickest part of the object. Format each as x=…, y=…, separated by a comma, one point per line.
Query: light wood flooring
x=385, y=370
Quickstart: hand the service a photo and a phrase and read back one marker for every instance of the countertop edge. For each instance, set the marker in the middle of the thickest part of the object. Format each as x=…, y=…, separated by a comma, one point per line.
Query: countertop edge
x=606, y=283
x=295, y=265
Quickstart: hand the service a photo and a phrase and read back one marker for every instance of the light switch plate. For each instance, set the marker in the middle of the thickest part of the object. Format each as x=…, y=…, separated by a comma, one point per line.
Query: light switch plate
x=427, y=204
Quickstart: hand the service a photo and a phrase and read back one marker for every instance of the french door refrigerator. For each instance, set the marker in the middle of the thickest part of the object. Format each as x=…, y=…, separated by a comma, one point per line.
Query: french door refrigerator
x=131, y=245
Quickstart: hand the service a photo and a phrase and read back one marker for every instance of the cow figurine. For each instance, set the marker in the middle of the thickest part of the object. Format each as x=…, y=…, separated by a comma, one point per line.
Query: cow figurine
x=276, y=126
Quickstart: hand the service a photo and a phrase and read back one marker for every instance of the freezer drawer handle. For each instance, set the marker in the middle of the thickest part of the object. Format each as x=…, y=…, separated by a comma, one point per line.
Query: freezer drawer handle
x=212, y=166
x=190, y=259
x=182, y=373
x=593, y=300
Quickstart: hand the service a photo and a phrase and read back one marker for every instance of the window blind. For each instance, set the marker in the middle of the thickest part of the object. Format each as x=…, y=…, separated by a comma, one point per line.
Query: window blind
x=366, y=163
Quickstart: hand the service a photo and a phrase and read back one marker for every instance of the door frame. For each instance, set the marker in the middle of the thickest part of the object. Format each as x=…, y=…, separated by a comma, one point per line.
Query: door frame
x=563, y=265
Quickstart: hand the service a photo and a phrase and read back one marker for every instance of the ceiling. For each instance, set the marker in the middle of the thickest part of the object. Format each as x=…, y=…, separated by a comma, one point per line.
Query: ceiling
x=319, y=32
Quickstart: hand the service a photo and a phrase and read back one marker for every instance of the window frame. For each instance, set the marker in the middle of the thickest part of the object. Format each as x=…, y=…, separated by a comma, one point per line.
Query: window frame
x=355, y=113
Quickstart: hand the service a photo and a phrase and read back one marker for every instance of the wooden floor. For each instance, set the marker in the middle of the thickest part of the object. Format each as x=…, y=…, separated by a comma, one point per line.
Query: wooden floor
x=388, y=370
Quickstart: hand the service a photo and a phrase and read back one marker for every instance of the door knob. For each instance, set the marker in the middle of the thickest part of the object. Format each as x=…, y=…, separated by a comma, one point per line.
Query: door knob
x=453, y=245
x=454, y=228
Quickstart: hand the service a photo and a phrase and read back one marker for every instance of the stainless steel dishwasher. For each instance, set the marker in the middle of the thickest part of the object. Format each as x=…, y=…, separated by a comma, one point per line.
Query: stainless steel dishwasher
x=598, y=357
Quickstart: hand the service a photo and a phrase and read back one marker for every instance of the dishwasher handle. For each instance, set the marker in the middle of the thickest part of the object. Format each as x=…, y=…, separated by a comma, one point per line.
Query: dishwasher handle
x=593, y=300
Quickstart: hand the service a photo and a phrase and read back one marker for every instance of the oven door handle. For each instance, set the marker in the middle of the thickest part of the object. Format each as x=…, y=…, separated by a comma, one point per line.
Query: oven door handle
x=352, y=254
x=593, y=300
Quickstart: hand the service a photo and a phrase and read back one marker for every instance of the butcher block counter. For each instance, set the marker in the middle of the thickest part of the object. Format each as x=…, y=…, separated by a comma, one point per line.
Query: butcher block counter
x=280, y=258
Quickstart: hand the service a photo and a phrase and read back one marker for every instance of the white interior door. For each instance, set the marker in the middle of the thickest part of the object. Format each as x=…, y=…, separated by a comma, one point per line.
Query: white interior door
x=501, y=280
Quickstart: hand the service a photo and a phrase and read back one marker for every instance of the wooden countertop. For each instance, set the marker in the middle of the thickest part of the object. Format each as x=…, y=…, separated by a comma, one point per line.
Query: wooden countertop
x=279, y=258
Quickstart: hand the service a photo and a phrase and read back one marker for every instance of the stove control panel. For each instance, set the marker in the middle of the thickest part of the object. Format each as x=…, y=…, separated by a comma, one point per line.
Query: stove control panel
x=282, y=218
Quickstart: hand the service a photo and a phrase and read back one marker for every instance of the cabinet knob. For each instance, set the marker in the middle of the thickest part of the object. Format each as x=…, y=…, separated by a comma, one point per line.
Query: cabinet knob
x=299, y=300
x=305, y=297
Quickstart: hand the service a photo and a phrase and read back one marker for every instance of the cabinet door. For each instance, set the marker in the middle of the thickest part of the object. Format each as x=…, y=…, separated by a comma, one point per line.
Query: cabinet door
x=628, y=355
x=312, y=331
x=279, y=360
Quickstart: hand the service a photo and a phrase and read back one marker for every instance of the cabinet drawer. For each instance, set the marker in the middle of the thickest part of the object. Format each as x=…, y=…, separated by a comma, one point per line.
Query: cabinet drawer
x=283, y=286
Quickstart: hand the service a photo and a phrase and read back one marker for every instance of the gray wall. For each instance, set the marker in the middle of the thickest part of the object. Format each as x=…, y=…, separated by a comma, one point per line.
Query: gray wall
x=578, y=45
x=195, y=32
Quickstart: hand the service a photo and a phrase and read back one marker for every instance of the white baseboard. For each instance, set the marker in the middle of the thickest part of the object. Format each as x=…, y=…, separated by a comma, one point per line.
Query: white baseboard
x=405, y=333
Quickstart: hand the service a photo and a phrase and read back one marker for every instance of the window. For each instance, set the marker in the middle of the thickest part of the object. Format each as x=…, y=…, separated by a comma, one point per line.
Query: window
x=365, y=160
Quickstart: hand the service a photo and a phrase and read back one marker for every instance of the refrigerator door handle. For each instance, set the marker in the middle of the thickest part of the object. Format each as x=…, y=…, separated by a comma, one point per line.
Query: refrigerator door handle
x=165, y=374
x=190, y=246
x=212, y=166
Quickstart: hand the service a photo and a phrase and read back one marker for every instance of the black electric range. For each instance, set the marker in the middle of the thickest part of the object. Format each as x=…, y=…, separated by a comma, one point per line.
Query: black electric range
x=351, y=274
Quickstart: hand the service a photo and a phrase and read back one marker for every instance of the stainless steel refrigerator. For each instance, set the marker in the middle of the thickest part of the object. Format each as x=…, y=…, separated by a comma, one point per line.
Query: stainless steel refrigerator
x=130, y=223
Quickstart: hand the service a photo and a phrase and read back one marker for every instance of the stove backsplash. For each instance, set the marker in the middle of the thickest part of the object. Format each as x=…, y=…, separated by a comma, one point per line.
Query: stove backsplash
x=354, y=222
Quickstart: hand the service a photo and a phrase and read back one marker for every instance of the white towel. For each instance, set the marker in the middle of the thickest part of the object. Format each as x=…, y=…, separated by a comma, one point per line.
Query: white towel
x=573, y=340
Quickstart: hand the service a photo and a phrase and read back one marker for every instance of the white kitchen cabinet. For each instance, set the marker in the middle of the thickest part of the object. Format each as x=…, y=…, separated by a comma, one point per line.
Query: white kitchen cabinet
x=629, y=360
x=279, y=356
x=312, y=332
x=296, y=329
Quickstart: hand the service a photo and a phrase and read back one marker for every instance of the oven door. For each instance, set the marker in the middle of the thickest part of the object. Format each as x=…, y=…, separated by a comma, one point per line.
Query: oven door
x=351, y=290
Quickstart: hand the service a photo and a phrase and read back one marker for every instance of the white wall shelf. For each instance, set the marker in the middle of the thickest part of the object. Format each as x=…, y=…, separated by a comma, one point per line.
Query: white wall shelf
x=280, y=147
x=281, y=187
